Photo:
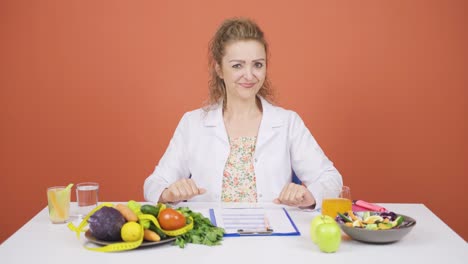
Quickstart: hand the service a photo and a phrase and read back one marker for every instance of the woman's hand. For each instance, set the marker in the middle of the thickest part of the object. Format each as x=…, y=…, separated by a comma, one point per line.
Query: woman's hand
x=295, y=195
x=181, y=190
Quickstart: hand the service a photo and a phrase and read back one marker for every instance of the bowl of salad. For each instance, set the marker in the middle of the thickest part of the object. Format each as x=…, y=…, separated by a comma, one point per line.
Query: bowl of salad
x=375, y=227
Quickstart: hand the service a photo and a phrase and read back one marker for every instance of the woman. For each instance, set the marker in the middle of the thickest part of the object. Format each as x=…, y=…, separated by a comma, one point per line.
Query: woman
x=241, y=148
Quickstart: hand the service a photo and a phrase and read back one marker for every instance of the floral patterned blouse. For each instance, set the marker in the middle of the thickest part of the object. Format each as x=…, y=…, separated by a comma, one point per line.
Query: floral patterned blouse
x=239, y=182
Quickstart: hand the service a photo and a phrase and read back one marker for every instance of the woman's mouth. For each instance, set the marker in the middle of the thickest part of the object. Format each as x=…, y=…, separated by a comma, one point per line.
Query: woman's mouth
x=247, y=85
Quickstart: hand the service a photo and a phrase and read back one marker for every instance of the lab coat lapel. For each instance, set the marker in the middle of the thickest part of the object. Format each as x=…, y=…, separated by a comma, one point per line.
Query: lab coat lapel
x=270, y=121
x=214, y=120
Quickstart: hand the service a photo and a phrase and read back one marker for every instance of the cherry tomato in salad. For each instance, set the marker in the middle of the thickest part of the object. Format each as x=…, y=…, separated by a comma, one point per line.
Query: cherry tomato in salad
x=170, y=219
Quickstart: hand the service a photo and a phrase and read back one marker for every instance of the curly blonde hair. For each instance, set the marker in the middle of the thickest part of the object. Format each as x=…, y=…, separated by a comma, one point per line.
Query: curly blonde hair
x=231, y=30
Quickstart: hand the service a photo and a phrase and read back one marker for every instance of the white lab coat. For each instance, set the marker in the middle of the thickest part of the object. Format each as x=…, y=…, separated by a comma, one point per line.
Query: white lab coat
x=200, y=147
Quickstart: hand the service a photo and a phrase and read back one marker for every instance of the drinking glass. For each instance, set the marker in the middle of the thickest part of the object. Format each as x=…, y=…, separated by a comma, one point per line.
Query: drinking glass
x=336, y=201
x=58, y=202
x=86, y=197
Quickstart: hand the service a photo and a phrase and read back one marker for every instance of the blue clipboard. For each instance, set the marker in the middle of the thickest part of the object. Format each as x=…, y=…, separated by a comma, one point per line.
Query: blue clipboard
x=266, y=232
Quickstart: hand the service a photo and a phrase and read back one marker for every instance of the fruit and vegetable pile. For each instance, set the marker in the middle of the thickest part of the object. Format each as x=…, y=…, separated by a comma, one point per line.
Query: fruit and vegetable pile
x=128, y=225
x=371, y=220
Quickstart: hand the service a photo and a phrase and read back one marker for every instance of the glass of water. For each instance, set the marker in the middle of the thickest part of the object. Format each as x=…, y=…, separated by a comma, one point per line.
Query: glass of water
x=86, y=197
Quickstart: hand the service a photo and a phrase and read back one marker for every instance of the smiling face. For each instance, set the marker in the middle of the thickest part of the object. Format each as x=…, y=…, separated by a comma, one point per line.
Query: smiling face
x=243, y=69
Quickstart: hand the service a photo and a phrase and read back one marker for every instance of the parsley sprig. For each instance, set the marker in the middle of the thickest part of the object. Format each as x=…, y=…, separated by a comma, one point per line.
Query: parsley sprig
x=203, y=232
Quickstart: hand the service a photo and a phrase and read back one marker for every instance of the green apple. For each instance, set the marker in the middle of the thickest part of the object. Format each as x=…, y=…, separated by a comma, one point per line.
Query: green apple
x=328, y=236
x=316, y=221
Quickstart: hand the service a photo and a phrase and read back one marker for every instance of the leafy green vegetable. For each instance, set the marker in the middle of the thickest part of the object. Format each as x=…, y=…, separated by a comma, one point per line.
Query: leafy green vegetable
x=136, y=208
x=203, y=232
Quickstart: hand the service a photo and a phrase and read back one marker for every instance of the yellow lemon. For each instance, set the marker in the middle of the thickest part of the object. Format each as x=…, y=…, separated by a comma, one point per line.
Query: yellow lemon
x=131, y=231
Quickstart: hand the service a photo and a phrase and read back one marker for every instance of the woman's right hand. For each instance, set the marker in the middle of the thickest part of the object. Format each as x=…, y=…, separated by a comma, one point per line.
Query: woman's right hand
x=181, y=190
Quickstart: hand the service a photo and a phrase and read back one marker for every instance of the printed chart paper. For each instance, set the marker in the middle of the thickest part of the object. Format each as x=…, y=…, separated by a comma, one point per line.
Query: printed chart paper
x=254, y=221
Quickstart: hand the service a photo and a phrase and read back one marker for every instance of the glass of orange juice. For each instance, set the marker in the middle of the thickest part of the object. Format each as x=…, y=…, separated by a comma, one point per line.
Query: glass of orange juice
x=336, y=201
x=58, y=200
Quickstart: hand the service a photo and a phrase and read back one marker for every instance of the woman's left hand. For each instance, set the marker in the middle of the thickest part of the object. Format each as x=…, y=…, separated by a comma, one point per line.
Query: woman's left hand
x=295, y=195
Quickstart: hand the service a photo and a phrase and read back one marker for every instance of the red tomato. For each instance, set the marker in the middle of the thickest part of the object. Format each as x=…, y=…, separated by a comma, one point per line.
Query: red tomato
x=170, y=219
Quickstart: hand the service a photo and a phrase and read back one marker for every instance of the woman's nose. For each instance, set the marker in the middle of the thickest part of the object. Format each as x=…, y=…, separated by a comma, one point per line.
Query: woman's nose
x=248, y=74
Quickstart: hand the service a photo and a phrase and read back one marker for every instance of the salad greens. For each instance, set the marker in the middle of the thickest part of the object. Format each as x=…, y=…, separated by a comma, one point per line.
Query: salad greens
x=370, y=220
x=203, y=232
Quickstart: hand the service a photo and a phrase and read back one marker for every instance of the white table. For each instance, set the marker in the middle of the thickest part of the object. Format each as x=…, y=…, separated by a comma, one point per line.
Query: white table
x=431, y=241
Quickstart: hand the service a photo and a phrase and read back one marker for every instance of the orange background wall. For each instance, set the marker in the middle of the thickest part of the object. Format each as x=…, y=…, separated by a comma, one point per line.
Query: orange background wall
x=93, y=90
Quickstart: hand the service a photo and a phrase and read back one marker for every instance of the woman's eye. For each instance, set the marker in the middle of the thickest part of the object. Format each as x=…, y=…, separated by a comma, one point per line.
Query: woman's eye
x=236, y=66
x=259, y=65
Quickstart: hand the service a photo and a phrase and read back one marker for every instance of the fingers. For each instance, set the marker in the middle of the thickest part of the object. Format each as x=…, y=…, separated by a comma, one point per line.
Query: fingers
x=187, y=189
x=180, y=190
x=191, y=187
x=293, y=195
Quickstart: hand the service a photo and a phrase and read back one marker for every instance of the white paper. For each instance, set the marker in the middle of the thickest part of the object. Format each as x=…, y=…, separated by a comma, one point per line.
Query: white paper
x=234, y=220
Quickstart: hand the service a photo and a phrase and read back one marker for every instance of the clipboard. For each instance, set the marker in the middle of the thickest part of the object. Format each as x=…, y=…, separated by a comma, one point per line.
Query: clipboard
x=239, y=222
